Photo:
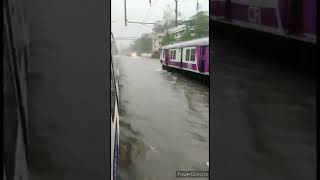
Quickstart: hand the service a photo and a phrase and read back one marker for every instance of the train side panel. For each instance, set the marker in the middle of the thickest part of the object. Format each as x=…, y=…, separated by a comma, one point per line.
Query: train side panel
x=187, y=64
x=200, y=63
x=202, y=57
x=174, y=59
x=290, y=18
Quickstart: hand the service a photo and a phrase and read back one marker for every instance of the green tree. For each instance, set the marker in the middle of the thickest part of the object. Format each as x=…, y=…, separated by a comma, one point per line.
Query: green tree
x=168, y=17
x=201, y=28
x=168, y=39
x=187, y=35
x=167, y=22
x=143, y=44
x=158, y=27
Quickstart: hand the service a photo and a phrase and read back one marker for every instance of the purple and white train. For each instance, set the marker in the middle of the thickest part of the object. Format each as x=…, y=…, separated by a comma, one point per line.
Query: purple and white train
x=294, y=19
x=187, y=56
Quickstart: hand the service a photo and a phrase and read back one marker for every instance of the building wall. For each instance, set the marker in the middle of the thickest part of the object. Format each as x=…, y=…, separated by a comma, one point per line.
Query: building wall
x=156, y=42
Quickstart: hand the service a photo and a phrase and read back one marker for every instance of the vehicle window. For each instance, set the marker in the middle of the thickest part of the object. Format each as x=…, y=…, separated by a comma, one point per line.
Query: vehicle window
x=192, y=55
x=173, y=54
x=187, y=54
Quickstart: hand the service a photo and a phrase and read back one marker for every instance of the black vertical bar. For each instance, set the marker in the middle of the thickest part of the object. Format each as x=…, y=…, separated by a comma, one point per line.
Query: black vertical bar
x=227, y=9
x=15, y=76
x=295, y=16
x=176, y=13
x=125, y=12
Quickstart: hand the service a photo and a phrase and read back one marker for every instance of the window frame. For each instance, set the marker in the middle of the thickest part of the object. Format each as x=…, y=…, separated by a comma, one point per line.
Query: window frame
x=187, y=55
x=174, y=56
x=194, y=55
x=187, y=59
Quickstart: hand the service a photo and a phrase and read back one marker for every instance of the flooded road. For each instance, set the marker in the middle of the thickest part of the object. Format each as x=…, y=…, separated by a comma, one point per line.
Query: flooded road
x=164, y=121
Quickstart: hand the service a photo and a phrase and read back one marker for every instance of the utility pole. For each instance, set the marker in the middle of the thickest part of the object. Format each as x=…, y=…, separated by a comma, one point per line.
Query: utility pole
x=125, y=12
x=176, y=12
x=197, y=6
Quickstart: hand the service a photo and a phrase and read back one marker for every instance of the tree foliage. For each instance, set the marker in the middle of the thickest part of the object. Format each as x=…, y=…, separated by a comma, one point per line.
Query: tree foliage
x=201, y=28
x=167, y=22
x=187, y=35
x=143, y=44
x=168, y=39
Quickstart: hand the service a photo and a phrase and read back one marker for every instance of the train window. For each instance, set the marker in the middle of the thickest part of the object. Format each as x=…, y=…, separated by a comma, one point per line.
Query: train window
x=192, y=55
x=173, y=54
x=187, y=54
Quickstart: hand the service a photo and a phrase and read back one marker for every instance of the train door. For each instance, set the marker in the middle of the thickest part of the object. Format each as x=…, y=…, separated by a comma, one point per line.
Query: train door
x=202, y=60
x=167, y=56
x=181, y=55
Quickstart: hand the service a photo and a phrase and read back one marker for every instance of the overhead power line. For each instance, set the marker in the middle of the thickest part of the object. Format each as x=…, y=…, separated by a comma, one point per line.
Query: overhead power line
x=135, y=22
x=126, y=21
x=126, y=38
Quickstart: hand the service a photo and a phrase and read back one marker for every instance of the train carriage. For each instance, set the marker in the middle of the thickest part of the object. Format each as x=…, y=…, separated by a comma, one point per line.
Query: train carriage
x=187, y=56
x=295, y=19
x=115, y=130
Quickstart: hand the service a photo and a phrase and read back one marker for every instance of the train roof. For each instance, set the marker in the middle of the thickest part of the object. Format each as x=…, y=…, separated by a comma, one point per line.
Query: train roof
x=195, y=42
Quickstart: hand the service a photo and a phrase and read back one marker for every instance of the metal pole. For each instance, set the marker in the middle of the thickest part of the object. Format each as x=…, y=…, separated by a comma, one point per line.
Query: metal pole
x=125, y=12
x=197, y=6
x=176, y=13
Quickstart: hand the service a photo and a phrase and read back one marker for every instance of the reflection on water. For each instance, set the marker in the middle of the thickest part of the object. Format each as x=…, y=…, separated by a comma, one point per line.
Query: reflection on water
x=164, y=121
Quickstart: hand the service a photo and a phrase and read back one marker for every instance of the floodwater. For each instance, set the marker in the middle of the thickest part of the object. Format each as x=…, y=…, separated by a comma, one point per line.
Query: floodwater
x=164, y=121
x=264, y=122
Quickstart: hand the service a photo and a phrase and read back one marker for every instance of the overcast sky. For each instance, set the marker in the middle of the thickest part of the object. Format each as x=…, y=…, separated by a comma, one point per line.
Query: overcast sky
x=140, y=10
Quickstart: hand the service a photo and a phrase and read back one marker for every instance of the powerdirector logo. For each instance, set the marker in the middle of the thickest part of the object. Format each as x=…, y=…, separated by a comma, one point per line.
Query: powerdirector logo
x=181, y=174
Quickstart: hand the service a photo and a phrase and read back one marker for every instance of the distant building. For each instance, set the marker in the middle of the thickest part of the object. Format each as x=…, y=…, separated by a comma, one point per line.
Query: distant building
x=189, y=24
x=157, y=41
x=178, y=31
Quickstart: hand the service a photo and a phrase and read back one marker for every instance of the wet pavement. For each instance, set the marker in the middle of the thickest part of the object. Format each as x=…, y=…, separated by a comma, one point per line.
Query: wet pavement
x=164, y=121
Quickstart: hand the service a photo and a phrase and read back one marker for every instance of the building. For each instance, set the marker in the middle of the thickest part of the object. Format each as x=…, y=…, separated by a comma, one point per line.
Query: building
x=184, y=27
x=157, y=41
x=178, y=31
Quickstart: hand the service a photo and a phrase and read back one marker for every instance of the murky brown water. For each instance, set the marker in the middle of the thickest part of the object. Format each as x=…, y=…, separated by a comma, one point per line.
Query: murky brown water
x=164, y=121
